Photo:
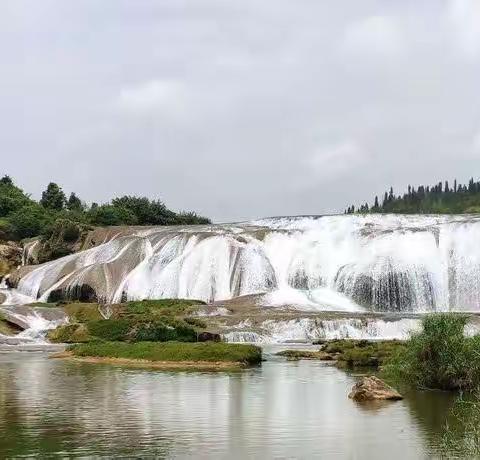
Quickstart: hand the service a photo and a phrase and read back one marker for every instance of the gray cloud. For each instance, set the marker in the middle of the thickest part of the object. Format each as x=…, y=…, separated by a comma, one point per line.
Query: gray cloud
x=239, y=109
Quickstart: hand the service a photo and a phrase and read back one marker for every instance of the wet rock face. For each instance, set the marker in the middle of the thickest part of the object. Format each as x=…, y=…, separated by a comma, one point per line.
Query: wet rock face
x=22, y=316
x=371, y=389
x=389, y=289
x=10, y=257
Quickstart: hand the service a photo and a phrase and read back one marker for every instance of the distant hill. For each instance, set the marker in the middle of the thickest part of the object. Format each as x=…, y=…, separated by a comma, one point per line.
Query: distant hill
x=441, y=198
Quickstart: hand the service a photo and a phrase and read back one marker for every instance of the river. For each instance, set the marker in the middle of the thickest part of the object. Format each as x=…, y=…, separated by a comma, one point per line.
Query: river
x=281, y=409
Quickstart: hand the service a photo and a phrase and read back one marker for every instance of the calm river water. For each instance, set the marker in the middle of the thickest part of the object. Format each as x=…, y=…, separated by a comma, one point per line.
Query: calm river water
x=279, y=410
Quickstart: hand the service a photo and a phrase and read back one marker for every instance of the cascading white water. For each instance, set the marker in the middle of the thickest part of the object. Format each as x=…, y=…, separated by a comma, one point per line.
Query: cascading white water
x=379, y=262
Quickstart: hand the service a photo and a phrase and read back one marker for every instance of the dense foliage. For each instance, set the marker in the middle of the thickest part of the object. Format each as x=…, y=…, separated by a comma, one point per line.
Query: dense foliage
x=438, y=357
x=437, y=199
x=23, y=217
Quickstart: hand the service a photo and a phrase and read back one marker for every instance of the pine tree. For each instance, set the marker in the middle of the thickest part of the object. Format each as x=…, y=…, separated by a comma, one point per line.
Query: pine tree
x=53, y=197
x=74, y=203
x=6, y=180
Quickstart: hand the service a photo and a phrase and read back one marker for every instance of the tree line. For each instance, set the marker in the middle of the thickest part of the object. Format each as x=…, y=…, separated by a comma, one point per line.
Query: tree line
x=441, y=198
x=23, y=217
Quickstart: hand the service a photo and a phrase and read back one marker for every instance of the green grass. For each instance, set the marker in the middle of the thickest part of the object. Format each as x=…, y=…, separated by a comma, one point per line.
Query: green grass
x=169, y=307
x=171, y=351
x=461, y=433
x=439, y=357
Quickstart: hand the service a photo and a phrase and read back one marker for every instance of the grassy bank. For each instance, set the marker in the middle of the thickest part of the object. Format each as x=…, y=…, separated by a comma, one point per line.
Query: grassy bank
x=199, y=354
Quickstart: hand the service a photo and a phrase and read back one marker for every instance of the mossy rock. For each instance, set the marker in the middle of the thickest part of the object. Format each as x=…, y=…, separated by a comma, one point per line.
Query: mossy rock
x=70, y=333
x=83, y=312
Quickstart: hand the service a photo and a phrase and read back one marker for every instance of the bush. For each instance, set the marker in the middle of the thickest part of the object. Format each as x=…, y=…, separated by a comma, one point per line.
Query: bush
x=108, y=215
x=150, y=351
x=439, y=357
x=30, y=220
x=12, y=198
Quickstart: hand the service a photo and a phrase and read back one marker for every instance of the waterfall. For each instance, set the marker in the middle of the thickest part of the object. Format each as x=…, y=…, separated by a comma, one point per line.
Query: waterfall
x=386, y=263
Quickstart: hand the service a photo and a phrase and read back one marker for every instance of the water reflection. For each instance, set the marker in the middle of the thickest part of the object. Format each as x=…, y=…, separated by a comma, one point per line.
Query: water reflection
x=283, y=409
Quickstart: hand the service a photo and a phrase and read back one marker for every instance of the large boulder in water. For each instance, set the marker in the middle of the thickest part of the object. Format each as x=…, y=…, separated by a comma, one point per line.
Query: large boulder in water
x=372, y=388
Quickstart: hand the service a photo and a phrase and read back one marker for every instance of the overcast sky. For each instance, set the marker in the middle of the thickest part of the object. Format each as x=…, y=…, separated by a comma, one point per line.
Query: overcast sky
x=239, y=109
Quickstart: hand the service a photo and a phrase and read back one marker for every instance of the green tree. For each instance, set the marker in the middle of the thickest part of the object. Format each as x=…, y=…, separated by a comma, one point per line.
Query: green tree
x=74, y=203
x=53, y=197
x=108, y=214
x=6, y=180
x=147, y=212
x=12, y=198
x=29, y=221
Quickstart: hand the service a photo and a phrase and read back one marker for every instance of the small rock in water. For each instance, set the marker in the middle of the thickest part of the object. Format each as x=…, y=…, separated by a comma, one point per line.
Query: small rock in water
x=372, y=388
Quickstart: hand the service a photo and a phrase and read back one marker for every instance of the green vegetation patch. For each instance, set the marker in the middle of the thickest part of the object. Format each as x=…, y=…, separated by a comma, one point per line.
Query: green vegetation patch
x=349, y=353
x=132, y=330
x=172, y=351
x=149, y=320
x=161, y=307
x=304, y=354
x=438, y=357
x=83, y=312
x=70, y=333
x=362, y=353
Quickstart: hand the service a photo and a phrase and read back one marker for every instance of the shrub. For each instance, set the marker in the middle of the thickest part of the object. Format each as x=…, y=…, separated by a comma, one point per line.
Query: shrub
x=439, y=357
x=30, y=220
x=12, y=198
